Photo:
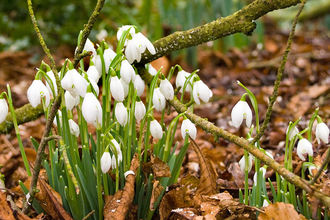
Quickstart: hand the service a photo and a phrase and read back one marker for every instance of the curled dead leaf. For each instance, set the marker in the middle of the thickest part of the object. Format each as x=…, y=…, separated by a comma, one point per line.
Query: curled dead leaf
x=280, y=211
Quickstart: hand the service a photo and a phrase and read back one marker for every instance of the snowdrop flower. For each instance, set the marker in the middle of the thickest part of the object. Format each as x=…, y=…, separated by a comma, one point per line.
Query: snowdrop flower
x=152, y=70
x=125, y=28
x=105, y=162
x=74, y=83
x=242, y=163
x=311, y=168
x=74, y=128
x=121, y=113
x=322, y=131
x=292, y=133
x=92, y=72
x=304, y=146
x=116, y=88
x=36, y=91
x=98, y=63
x=139, y=85
x=166, y=88
x=108, y=56
x=52, y=77
x=136, y=46
x=156, y=129
x=3, y=110
x=201, y=92
x=181, y=79
x=241, y=111
x=263, y=173
x=125, y=86
x=189, y=128
x=92, y=110
x=158, y=100
x=95, y=86
x=118, y=152
x=89, y=46
x=127, y=72
x=71, y=101
x=140, y=110
x=60, y=118
x=265, y=203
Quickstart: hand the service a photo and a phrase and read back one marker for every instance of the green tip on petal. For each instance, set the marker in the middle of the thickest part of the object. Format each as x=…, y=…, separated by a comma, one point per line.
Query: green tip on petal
x=89, y=88
x=112, y=72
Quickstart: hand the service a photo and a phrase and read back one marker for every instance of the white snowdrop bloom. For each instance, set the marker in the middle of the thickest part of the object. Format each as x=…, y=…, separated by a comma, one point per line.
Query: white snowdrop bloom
x=125, y=28
x=167, y=89
x=52, y=77
x=125, y=86
x=156, y=129
x=140, y=110
x=71, y=101
x=60, y=118
x=304, y=146
x=241, y=111
x=92, y=110
x=119, y=154
x=136, y=46
x=292, y=133
x=201, y=92
x=74, y=128
x=98, y=64
x=189, y=128
x=36, y=92
x=127, y=72
x=89, y=46
x=121, y=113
x=152, y=70
x=311, y=168
x=265, y=203
x=322, y=133
x=3, y=110
x=74, y=83
x=242, y=163
x=181, y=79
x=116, y=88
x=158, y=100
x=93, y=74
x=108, y=56
x=139, y=85
x=105, y=162
x=262, y=172
x=95, y=86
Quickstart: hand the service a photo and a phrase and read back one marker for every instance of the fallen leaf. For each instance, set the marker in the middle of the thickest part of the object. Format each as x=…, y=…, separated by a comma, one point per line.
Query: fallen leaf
x=156, y=191
x=183, y=214
x=280, y=211
x=158, y=167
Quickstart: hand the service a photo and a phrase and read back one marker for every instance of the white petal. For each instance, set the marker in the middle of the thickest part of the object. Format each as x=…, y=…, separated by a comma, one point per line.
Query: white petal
x=108, y=56
x=93, y=73
x=70, y=101
x=74, y=128
x=121, y=113
x=3, y=110
x=90, y=108
x=322, y=133
x=241, y=111
x=127, y=72
x=105, y=162
x=36, y=91
x=167, y=89
x=80, y=84
x=188, y=127
x=117, y=90
x=304, y=146
x=156, y=129
x=140, y=110
x=139, y=85
x=158, y=100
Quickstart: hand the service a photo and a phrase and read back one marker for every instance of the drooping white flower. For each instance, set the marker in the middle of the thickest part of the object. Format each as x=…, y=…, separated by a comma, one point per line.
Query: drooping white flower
x=127, y=72
x=118, y=152
x=93, y=73
x=74, y=83
x=89, y=46
x=74, y=128
x=136, y=46
x=304, y=146
x=241, y=111
x=125, y=28
x=265, y=203
x=52, y=77
x=95, y=86
x=242, y=163
x=167, y=89
x=92, y=110
x=292, y=133
x=322, y=133
x=121, y=113
x=125, y=86
x=158, y=100
x=36, y=91
x=140, y=110
x=3, y=110
x=98, y=63
x=201, y=92
x=108, y=56
x=117, y=89
x=181, y=79
x=152, y=70
x=156, y=129
x=139, y=85
x=105, y=162
x=189, y=128
x=262, y=172
x=71, y=101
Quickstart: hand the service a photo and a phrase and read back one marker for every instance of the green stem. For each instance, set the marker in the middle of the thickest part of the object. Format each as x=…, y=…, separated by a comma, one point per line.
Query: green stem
x=98, y=173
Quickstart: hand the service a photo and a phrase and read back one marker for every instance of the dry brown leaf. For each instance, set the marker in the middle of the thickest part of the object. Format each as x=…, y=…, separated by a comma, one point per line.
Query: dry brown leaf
x=5, y=210
x=183, y=214
x=118, y=207
x=299, y=104
x=316, y=90
x=51, y=204
x=158, y=167
x=156, y=191
x=280, y=211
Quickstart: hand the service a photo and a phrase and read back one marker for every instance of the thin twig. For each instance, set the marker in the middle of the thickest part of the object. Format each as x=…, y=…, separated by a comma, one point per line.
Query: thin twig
x=280, y=71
